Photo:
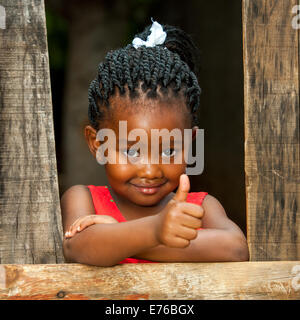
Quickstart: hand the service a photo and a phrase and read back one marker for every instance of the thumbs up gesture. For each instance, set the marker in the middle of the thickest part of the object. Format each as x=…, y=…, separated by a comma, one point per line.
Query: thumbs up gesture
x=178, y=222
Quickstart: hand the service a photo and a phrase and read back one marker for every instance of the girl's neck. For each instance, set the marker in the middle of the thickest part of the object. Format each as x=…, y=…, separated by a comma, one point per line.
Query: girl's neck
x=132, y=211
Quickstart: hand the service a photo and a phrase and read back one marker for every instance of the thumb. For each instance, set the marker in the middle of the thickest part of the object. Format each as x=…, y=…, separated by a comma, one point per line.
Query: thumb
x=183, y=188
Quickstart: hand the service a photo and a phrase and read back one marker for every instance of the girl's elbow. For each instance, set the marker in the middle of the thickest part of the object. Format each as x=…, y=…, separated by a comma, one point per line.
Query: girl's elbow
x=71, y=252
x=68, y=252
x=240, y=251
x=74, y=255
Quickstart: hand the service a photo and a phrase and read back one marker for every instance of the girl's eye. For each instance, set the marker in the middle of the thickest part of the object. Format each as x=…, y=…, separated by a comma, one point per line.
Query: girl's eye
x=131, y=153
x=135, y=153
x=168, y=153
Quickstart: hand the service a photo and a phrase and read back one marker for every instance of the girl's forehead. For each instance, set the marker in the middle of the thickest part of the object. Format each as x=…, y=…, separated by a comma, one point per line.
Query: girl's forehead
x=149, y=113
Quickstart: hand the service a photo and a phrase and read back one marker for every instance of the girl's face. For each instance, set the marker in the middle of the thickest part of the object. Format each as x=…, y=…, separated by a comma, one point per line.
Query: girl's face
x=133, y=181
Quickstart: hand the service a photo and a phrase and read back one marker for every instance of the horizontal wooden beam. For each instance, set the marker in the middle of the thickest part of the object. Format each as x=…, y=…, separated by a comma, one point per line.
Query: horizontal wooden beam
x=230, y=280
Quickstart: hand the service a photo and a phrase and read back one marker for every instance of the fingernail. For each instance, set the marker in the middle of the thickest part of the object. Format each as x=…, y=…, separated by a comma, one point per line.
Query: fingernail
x=78, y=228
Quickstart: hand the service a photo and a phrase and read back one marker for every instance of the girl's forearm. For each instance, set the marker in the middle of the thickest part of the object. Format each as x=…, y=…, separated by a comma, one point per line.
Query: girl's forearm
x=108, y=244
x=210, y=245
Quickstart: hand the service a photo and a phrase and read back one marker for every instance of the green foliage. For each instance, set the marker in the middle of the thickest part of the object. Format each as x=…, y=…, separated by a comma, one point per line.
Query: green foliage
x=140, y=15
x=57, y=35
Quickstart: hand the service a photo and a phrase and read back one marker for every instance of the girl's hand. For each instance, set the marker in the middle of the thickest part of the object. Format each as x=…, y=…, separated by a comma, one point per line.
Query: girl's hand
x=178, y=222
x=84, y=222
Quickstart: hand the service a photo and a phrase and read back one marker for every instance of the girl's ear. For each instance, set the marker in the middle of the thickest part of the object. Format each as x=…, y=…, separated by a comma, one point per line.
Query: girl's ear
x=90, y=137
x=194, y=131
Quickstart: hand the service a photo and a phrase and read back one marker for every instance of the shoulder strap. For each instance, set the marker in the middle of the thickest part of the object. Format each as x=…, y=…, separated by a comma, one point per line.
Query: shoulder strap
x=196, y=197
x=103, y=202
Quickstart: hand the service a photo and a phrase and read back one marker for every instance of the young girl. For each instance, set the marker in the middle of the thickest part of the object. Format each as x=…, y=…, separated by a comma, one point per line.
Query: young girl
x=150, y=84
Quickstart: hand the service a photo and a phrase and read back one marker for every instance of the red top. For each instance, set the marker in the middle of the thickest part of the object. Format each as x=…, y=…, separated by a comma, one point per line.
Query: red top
x=104, y=204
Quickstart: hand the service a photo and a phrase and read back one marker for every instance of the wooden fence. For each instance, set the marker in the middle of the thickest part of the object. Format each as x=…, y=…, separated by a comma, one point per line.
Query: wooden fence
x=30, y=223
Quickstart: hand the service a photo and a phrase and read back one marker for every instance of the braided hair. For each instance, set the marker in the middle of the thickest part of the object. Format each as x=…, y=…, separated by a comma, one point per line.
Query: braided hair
x=171, y=65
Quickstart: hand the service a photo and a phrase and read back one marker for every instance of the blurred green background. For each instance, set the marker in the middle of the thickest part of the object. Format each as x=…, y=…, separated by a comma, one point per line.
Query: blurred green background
x=79, y=35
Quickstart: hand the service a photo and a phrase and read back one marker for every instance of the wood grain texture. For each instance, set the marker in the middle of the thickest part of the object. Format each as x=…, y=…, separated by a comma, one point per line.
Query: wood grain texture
x=232, y=280
x=30, y=222
x=272, y=142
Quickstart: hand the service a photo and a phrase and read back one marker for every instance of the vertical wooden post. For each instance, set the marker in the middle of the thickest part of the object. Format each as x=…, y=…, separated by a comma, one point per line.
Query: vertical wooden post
x=272, y=142
x=30, y=225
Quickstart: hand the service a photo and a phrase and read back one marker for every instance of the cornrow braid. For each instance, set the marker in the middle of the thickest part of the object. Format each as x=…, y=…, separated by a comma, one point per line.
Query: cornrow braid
x=167, y=66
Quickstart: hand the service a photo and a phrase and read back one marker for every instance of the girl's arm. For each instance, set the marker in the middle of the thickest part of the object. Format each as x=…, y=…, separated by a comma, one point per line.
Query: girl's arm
x=106, y=244
x=102, y=244
x=220, y=240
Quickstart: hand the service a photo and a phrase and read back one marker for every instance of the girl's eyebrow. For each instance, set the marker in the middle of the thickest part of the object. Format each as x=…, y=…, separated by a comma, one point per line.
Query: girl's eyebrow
x=130, y=142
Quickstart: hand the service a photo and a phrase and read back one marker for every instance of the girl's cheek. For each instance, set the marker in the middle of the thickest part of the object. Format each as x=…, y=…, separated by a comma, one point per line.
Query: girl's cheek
x=173, y=171
x=119, y=171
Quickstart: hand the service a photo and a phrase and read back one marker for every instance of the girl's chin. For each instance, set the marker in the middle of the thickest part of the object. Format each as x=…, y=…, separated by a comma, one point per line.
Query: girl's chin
x=146, y=204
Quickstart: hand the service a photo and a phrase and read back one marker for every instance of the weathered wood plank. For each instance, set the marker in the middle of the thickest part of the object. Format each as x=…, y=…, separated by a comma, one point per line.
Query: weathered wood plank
x=30, y=222
x=232, y=280
x=272, y=141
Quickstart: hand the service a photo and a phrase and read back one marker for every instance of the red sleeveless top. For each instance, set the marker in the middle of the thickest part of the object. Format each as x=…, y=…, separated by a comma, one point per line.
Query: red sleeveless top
x=104, y=204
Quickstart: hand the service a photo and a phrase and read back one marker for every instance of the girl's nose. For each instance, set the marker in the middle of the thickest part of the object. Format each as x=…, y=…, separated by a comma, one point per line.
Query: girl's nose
x=150, y=171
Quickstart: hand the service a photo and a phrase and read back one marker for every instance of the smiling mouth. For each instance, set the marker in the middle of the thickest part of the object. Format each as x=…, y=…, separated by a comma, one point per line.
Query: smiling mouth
x=148, y=185
x=148, y=189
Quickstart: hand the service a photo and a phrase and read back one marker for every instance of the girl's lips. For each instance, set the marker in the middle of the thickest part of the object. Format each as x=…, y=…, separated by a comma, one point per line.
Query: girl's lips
x=148, y=190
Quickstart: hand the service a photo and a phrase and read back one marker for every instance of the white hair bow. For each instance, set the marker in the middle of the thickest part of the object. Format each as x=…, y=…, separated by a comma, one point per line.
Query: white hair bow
x=157, y=36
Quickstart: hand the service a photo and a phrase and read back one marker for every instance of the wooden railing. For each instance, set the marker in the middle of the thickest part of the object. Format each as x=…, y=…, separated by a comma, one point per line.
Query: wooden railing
x=230, y=280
